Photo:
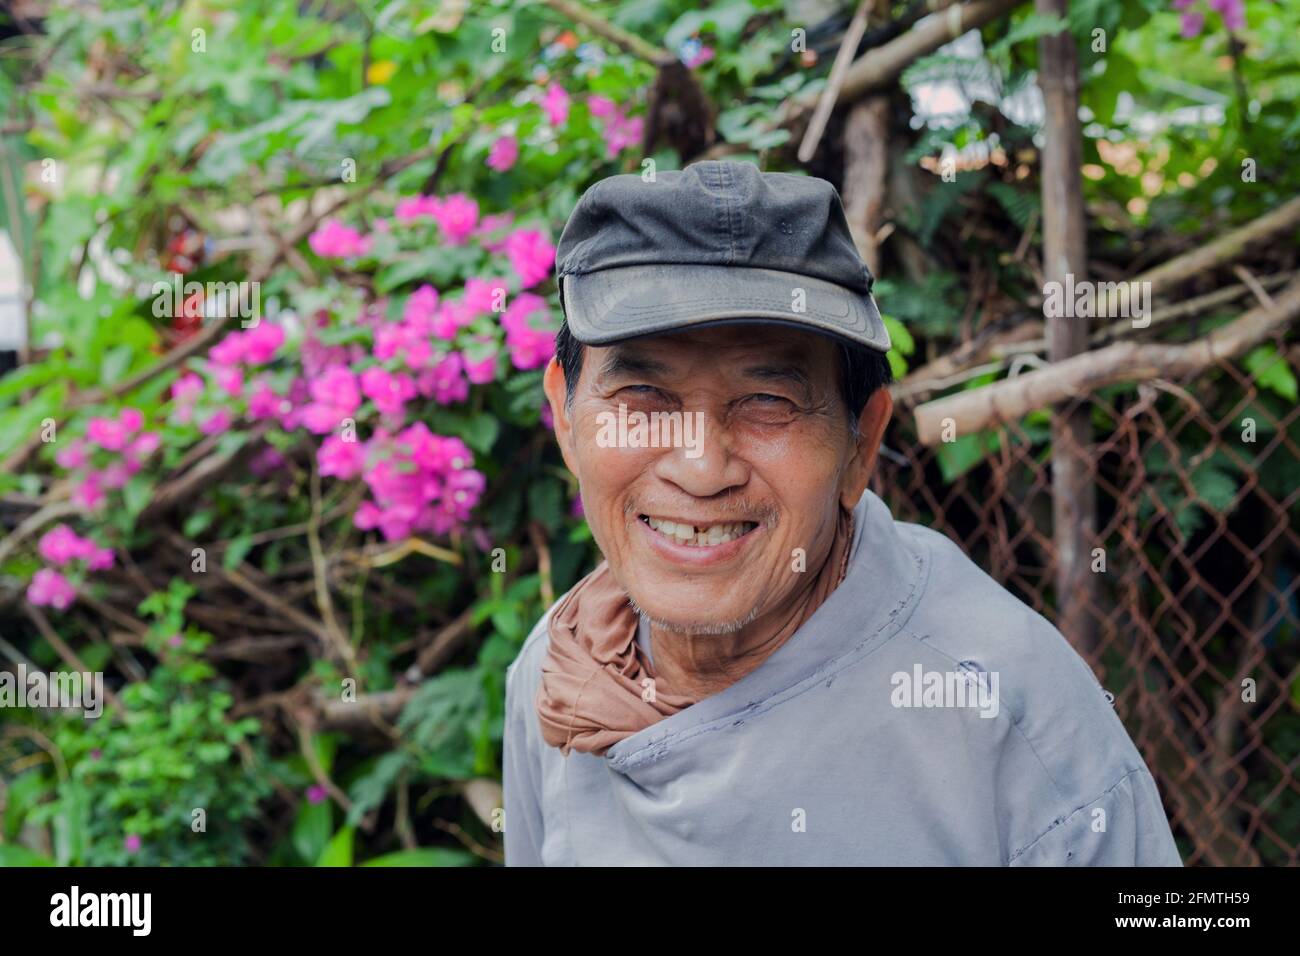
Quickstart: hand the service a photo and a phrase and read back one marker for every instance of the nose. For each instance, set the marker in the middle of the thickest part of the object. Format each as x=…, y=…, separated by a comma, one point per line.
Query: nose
x=709, y=468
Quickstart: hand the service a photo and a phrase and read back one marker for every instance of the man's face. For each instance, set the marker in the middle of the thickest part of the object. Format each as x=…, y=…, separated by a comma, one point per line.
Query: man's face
x=706, y=538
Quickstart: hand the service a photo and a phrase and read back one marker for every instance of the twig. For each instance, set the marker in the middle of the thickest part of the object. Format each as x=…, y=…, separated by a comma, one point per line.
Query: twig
x=64, y=651
x=839, y=71
x=323, y=600
x=628, y=42
x=34, y=523
x=1010, y=399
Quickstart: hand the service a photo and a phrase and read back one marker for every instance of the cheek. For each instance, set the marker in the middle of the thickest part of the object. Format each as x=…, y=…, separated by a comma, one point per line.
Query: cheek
x=606, y=474
x=799, y=466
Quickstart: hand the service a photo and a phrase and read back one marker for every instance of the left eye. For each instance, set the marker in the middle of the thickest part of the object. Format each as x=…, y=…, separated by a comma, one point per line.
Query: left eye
x=644, y=391
x=767, y=399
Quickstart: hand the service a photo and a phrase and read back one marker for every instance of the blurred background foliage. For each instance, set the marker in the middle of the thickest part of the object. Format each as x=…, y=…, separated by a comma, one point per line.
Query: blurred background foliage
x=135, y=147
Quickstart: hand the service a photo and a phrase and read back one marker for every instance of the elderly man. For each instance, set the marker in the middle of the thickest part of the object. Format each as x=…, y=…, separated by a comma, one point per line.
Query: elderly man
x=767, y=668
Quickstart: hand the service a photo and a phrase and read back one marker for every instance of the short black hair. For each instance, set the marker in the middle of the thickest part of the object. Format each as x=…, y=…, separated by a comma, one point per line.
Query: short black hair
x=862, y=371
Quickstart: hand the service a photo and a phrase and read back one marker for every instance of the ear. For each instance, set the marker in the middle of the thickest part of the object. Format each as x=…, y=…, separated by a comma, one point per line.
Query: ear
x=556, y=389
x=871, y=430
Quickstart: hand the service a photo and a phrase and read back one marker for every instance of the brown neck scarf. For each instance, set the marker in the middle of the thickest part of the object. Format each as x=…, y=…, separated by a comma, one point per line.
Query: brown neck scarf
x=596, y=681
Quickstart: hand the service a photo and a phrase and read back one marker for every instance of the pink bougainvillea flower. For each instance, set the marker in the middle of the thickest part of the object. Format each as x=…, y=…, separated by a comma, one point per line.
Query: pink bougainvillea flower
x=230, y=379
x=367, y=516
x=420, y=482
x=261, y=342
x=133, y=843
x=421, y=305
x=342, y=459
x=416, y=207
x=267, y=462
x=88, y=493
x=389, y=392
x=217, y=423
x=187, y=388
x=457, y=217
x=73, y=455
x=114, y=434
x=107, y=433
x=556, y=105
x=624, y=133
x=697, y=56
x=1191, y=24
x=49, y=588
x=100, y=559
x=482, y=371
x=445, y=383
x=451, y=318
x=144, y=445
x=530, y=346
x=489, y=228
x=485, y=296
x=132, y=419
x=620, y=131
x=316, y=793
x=265, y=402
x=504, y=153
x=60, y=545
x=117, y=474
x=601, y=106
x=333, y=240
x=531, y=255
x=335, y=396
x=230, y=350
x=1232, y=11
x=576, y=509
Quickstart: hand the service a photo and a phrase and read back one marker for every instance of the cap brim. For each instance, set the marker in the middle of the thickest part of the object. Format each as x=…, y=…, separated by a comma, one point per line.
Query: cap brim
x=625, y=302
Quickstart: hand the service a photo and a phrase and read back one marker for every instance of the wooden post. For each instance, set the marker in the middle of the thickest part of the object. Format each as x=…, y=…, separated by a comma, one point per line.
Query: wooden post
x=866, y=174
x=1074, y=498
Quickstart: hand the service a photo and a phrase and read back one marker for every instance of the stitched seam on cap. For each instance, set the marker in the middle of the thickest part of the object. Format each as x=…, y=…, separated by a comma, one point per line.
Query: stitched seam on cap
x=719, y=210
x=731, y=229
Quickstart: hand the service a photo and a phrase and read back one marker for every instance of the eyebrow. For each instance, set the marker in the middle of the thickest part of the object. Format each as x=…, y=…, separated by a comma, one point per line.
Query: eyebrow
x=781, y=373
x=626, y=362
x=622, y=362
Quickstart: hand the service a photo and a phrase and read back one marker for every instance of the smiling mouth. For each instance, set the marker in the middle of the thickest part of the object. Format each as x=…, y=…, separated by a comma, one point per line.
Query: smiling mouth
x=699, y=535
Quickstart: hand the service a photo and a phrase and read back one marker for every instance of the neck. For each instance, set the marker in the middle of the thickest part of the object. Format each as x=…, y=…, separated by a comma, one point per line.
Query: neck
x=697, y=665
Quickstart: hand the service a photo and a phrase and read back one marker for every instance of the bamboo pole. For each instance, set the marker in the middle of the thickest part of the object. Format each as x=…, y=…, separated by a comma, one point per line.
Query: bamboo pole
x=1065, y=253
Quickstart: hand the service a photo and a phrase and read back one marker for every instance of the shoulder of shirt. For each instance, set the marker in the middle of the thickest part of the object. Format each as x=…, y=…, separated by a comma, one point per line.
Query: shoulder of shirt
x=1046, y=689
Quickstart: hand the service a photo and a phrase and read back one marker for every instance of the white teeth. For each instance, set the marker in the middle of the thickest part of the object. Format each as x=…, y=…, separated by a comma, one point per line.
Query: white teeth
x=701, y=536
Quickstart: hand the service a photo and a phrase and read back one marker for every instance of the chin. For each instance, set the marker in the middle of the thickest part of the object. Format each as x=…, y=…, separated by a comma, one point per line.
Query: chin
x=682, y=621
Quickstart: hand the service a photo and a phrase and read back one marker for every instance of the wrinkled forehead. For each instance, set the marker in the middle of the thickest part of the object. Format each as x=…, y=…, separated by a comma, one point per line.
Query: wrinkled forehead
x=736, y=349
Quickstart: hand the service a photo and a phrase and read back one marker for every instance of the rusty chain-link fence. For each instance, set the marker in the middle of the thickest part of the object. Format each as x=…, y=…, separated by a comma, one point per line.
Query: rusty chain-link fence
x=1193, y=607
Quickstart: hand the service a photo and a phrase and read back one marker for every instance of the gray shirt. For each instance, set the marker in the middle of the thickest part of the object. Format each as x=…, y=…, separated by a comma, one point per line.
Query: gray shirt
x=922, y=716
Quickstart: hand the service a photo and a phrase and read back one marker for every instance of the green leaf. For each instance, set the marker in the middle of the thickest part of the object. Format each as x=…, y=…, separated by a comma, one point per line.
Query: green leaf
x=12, y=855
x=339, y=850
x=960, y=456
x=545, y=503
x=1271, y=371
x=424, y=856
x=1215, y=487
x=237, y=550
x=312, y=829
x=1030, y=27
x=137, y=493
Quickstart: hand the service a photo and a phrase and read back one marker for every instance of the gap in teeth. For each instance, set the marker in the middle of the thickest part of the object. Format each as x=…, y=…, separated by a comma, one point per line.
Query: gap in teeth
x=695, y=536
